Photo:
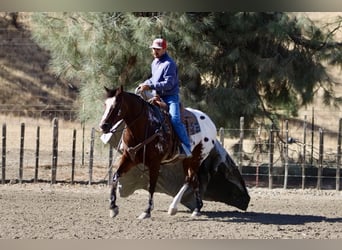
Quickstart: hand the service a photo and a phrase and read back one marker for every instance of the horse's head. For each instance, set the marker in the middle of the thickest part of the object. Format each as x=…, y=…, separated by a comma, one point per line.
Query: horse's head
x=113, y=106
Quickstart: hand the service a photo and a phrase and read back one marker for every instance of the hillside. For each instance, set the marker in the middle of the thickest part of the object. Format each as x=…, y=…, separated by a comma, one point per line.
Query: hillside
x=25, y=80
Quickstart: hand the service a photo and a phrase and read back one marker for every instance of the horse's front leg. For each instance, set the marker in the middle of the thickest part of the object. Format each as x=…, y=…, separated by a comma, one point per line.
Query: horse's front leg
x=124, y=166
x=113, y=208
x=153, y=174
x=147, y=212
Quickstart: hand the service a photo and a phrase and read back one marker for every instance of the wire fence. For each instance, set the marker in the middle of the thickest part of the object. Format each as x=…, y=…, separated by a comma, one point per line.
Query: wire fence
x=275, y=159
x=60, y=111
x=298, y=155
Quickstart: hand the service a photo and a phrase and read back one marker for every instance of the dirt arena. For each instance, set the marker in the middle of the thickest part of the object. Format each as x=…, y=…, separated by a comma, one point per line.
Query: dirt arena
x=60, y=211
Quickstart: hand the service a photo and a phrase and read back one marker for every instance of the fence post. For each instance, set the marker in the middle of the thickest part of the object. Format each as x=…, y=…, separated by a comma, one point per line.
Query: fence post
x=312, y=134
x=83, y=138
x=304, y=153
x=286, y=153
x=258, y=156
x=21, y=154
x=110, y=167
x=83, y=134
x=221, y=133
x=242, y=121
x=271, y=148
x=73, y=156
x=320, y=160
x=338, y=164
x=54, y=150
x=3, y=163
x=91, y=155
x=37, y=155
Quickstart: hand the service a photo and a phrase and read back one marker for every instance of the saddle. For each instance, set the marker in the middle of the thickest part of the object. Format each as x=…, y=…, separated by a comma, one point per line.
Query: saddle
x=188, y=118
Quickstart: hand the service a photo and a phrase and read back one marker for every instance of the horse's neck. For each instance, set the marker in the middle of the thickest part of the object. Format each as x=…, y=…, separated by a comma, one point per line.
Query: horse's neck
x=136, y=114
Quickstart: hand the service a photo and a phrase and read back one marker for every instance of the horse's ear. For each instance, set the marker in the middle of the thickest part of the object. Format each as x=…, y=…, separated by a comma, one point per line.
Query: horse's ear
x=109, y=92
x=121, y=88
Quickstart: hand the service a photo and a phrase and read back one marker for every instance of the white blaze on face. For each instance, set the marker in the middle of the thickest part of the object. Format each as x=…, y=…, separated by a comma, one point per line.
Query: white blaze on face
x=108, y=104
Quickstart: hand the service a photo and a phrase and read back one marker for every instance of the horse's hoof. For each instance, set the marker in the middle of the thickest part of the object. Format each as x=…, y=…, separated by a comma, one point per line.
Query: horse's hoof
x=172, y=211
x=195, y=214
x=144, y=215
x=113, y=212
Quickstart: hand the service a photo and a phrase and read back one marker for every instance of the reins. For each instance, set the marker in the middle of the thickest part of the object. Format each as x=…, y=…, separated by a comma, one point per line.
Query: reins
x=133, y=150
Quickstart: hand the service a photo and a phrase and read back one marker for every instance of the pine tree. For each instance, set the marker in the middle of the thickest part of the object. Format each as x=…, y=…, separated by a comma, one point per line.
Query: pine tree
x=231, y=64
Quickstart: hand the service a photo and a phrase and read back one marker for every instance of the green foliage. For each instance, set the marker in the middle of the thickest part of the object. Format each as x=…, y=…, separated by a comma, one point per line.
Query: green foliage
x=231, y=64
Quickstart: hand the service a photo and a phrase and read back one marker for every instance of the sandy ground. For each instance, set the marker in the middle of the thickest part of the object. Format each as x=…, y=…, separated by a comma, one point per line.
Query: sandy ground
x=61, y=211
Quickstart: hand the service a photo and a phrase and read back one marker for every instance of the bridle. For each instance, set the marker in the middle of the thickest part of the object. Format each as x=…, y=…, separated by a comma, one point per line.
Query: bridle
x=135, y=119
x=147, y=139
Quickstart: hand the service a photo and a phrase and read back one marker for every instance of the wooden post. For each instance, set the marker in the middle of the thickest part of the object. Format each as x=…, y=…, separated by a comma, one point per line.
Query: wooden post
x=110, y=165
x=304, y=153
x=242, y=121
x=320, y=160
x=83, y=134
x=37, y=155
x=21, y=154
x=3, y=163
x=338, y=164
x=73, y=156
x=54, y=150
x=271, y=149
x=286, y=153
x=312, y=134
x=258, y=156
x=91, y=155
x=221, y=133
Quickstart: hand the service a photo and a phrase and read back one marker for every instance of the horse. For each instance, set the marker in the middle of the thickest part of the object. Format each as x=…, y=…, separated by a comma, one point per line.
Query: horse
x=148, y=139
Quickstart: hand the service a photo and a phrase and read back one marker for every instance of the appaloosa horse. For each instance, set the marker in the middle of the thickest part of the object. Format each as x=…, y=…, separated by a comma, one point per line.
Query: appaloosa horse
x=149, y=139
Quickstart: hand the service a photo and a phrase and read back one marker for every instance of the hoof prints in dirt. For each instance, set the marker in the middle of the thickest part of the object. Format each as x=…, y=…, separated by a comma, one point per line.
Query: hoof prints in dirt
x=43, y=211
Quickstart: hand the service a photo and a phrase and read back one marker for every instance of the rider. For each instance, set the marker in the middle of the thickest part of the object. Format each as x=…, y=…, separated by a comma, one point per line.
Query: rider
x=164, y=81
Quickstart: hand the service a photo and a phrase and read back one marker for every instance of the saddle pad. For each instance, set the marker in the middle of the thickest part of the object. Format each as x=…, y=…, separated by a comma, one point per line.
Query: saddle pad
x=190, y=122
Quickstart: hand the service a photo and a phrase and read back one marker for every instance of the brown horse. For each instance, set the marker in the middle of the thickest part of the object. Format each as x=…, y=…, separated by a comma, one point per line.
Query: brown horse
x=148, y=139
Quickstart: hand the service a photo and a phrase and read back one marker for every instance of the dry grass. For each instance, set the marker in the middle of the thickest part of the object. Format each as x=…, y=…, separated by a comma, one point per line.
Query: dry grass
x=65, y=142
x=25, y=78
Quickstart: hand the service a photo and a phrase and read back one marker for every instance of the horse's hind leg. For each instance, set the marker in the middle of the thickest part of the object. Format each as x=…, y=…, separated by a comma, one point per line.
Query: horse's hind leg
x=199, y=203
x=191, y=167
x=176, y=200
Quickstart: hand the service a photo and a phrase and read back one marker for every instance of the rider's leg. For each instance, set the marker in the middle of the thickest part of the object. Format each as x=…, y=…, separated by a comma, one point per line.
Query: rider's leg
x=174, y=110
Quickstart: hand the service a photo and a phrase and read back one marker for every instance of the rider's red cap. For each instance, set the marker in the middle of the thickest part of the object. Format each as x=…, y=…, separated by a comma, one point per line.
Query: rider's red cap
x=159, y=43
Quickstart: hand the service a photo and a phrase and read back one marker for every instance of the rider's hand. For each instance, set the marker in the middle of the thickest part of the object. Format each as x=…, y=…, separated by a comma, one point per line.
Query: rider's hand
x=143, y=87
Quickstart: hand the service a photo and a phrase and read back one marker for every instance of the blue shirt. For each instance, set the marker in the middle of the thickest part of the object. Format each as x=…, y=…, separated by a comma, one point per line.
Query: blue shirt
x=164, y=76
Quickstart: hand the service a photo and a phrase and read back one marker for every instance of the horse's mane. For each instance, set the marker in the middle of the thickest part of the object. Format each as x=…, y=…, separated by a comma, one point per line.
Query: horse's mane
x=112, y=92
